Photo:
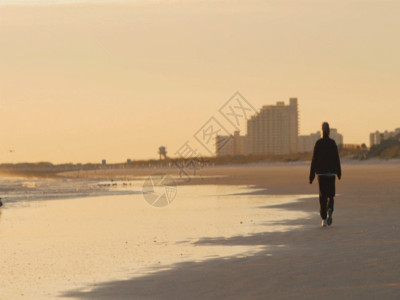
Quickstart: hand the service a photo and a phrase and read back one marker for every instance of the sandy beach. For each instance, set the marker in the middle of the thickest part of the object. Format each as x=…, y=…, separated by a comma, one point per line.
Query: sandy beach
x=234, y=232
x=161, y=149
x=52, y=246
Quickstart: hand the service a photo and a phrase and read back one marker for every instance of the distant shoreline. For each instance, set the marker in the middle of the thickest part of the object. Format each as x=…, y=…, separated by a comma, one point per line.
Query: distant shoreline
x=31, y=170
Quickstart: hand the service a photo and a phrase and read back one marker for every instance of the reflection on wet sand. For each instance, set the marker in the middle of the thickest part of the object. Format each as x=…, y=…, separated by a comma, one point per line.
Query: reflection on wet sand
x=49, y=247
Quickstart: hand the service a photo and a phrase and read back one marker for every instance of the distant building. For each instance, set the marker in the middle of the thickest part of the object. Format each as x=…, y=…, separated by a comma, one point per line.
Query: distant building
x=103, y=162
x=351, y=146
x=375, y=138
x=128, y=161
x=274, y=129
x=224, y=145
x=230, y=145
x=335, y=135
x=306, y=143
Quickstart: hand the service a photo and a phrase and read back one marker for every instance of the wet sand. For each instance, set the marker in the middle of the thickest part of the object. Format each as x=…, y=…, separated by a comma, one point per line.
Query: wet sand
x=51, y=247
x=217, y=240
x=358, y=257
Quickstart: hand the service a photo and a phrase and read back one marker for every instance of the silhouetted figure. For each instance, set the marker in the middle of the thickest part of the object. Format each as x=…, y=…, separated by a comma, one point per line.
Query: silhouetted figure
x=326, y=164
x=1, y=203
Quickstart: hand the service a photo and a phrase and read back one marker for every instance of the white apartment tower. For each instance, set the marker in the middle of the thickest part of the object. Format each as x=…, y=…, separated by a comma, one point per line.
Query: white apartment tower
x=274, y=129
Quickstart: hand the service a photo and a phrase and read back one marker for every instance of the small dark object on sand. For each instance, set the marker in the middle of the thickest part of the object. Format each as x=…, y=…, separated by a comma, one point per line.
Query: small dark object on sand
x=1, y=203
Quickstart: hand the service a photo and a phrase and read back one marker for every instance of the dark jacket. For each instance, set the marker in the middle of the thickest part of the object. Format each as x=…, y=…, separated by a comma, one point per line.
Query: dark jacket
x=325, y=158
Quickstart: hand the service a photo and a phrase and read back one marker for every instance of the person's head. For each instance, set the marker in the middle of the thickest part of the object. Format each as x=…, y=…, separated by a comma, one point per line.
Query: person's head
x=325, y=129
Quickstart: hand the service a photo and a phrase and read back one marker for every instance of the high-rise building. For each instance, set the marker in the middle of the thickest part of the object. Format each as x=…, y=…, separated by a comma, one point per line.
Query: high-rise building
x=230, y=145
x=274, y=129
x=306, y=142
x=335, y=135
x=375, y=138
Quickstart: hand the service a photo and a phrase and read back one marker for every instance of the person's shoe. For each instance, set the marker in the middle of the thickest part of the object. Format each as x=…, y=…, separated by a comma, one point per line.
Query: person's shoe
x=324, y=223
x=329, y=221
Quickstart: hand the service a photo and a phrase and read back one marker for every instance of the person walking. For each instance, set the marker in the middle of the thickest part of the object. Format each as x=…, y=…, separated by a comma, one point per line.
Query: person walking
x=326, y=164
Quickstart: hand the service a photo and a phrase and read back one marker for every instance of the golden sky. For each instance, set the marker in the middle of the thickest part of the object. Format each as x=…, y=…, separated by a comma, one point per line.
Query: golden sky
x=84, y=82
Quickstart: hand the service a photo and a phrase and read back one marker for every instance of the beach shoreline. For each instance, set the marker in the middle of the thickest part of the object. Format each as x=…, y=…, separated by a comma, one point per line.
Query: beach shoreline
x=357, y=257
x=52, y=246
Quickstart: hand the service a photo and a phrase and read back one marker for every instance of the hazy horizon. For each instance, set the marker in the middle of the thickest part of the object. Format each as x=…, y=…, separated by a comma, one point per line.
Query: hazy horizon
x=85, y=82
x=63, y=2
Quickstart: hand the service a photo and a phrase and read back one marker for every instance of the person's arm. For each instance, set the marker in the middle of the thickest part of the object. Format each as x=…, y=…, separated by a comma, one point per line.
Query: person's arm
x=338, y=167
x=313, y=163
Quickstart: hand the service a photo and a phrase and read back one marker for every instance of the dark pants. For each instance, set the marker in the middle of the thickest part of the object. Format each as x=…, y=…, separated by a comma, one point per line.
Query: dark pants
x=325, y=203
x=326, y=194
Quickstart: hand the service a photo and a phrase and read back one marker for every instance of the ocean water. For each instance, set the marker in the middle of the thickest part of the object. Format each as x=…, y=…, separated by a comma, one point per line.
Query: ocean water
x=51, y=246
x=20, y=189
